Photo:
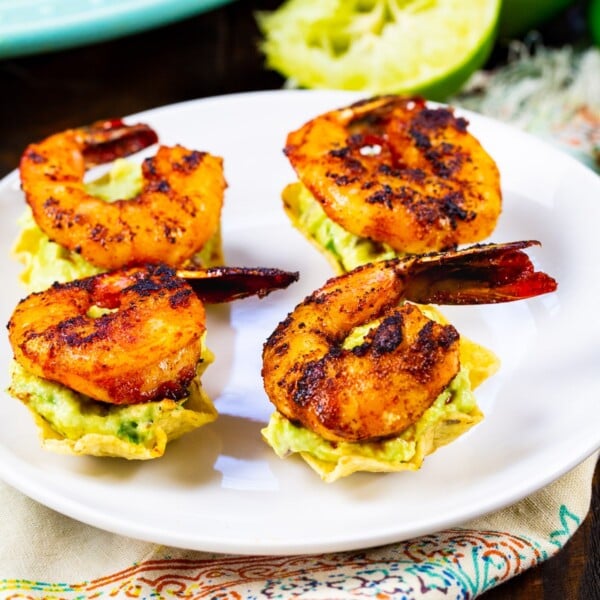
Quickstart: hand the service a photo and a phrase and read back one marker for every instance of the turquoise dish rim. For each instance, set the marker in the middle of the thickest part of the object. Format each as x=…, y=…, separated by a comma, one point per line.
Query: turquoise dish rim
x=22, y=35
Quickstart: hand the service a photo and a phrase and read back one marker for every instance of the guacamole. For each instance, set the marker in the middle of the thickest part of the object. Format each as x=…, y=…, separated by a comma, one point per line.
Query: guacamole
x=70, y=422
x=345, y=250
x=457, y=398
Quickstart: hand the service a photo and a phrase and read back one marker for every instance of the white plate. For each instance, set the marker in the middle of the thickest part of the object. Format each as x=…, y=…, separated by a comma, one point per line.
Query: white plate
x=220, y=488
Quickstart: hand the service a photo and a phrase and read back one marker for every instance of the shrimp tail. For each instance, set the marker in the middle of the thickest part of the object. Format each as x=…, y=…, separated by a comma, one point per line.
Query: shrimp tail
x=104, y=141
x=224, y=284
x=480, y=274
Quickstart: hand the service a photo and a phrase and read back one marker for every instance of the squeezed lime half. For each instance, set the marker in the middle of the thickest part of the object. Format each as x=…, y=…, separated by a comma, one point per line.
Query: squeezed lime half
x=430, y=47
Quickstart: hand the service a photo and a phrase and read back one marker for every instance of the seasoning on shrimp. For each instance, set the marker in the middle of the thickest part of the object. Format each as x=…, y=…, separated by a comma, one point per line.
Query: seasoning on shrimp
x=145, y=346
x=397, y=172
x=343, y=404
x=173, y=216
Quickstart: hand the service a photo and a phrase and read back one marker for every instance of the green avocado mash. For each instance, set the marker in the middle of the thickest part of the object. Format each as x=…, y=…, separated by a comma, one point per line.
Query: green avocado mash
x=124, y=180
x=345, y=249
x=85, y=426
x=46, y=262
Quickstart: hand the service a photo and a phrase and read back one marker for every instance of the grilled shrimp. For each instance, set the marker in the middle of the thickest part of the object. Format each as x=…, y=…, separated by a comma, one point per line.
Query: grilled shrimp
x=385, y=383
x=131, y=335
x=175, y=214
x=395, y=170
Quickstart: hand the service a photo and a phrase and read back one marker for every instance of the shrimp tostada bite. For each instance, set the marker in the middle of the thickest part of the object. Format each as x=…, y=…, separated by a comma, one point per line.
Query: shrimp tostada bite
x=390, y=176
x=166, y=210
x=364, y=379
x=110, y=365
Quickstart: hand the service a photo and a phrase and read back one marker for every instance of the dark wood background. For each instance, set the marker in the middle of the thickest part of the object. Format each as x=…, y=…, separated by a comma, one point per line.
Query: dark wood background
x=210, y=54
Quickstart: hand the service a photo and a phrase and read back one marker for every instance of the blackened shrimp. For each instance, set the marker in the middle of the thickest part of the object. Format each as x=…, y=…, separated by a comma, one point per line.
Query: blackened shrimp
x=131, y=335
x=144, y=344
x=379, y=387
x=177, y=211
x=398, y=171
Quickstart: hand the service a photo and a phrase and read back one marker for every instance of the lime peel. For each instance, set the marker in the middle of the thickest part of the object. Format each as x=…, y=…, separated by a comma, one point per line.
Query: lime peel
x=380, y=46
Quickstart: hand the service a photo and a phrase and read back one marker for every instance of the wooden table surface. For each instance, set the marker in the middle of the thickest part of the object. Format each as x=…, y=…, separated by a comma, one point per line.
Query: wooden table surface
x=210, y=54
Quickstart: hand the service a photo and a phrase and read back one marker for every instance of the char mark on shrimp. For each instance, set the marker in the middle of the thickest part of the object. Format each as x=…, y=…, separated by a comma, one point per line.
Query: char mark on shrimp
x=189, y=162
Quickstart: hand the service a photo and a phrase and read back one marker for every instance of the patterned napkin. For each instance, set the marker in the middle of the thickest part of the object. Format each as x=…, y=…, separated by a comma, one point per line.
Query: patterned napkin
x=46, y=555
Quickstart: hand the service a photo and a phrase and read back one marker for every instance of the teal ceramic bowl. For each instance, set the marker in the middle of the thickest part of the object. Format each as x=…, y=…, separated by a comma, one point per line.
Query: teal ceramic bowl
x=33, y=26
